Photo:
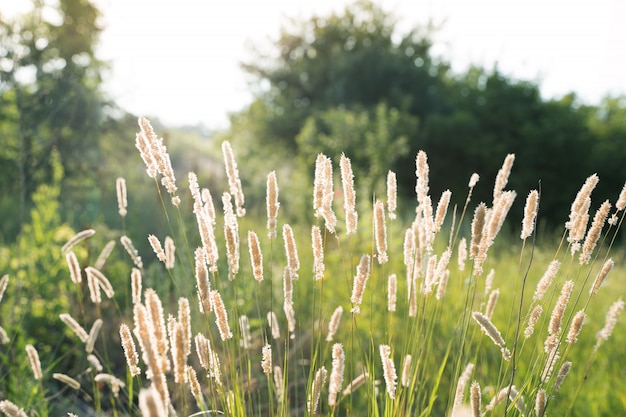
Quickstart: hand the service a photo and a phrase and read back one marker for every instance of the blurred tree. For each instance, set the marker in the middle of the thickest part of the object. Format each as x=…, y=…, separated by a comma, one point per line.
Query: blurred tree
x=50, y=95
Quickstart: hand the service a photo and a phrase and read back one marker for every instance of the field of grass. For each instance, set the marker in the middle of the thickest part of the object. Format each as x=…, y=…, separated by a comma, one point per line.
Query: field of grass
x=369, y=310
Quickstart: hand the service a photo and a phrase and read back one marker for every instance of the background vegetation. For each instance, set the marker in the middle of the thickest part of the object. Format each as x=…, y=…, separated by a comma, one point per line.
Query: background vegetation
x=341, y=83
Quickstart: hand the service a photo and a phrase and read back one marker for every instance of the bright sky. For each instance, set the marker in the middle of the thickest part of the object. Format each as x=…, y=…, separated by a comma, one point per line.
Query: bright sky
x=179, y=59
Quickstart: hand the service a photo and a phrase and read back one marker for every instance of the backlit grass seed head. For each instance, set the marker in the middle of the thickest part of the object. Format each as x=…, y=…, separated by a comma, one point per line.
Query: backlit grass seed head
x=221, y=318
x=336, y=374
x=246, y=337
x=606, y=268
x=272, y=322
x=443, y=282
x=234, y=182
x=502, y=178
x=392, y=289
x=150, y=403
x=136, y=285
x=462, y=254
x=349, y=195
x=194, y=386
x=475, y=399
x=576, y=326
x=559, y=309
x=392, y=194
x=74, y=267
x=594, y=232
x=406, y=371
x=421, y=172
x=560, y=376
x=156, y=247
x=319, y=183
x=11, y=410
x=489, y=281
x=33, y=360
x=460, y=387
x=316, y=390
x=74, y=326
x=77, y=238
x=4, y=283
x=266, y=361
x=530, y=214
x=130, y=249
x=157, y=319
x=278, y=383
x=256, y=257
x=170, y=251
x=4, y=337
x=122, y=202
x=177, y=344
x=114, y=382
x=532, y=321
x=611, y=320
x=489, y=328
x=318, y=253
x=94, y=289
x=202, y=281
x=621, y=200
x=104, y=255
x=546, y=280
x=491, y=303
x=380, y=232
x=389, y=370
x=360, y=279
x=184, y=318
x=67, y=380
x=540, y=403
x=333, y=324
x=578, y=217
x=93, y=335
x=103, y=281
x=474, y=178
x=130, y=352
x=429, y=280
x=272, y=204
x=290, y=249
x=287, y=286
x=442, y=209
x=208, y=207
x=478, y=224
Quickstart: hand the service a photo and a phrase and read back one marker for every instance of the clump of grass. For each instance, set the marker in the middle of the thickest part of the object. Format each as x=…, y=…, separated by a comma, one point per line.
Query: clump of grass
x=357, y=300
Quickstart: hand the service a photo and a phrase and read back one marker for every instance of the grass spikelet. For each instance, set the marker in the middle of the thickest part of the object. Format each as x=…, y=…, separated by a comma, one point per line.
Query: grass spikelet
x=380, y=232
x=256, y=257
x=530, y=214
x=491, y=303
x=266, y=360
x=475, y=399
x=104, y=254
x=170, y=252
x=101, y=279
x=502, y=178
x=221, y=318
x=560, y=376
x=490, y=329
x=611, y=320
x=67, y=380
x=114, y=382
x=460, y=388
x=333, y=324
x=272, y=322
x=130, y=352
x=290, y=249
x=540, y=403
x=122, y=202
x=462, y=253
x=316, y=390
x=594, y=232
x=74, y=267
x=246, y=337
x=546, y=280
x=442, y=209
x=77, y=238
x=95, y=362
x=392, y=194
x=606, y=268
x=554, y=327
x=33, y=360
x=478, y=224
x=532, y=320
x=11, y=410
x=130, y=249
x=4, y=283
x=336, y=374
x=184, y=318
x=349, y=196
x=74, y=326
x=392, y=289
x=360, y=279
x=318, y=252
x=272, y=204
x=234, y=182
x=136, y=285
x=355, y=383
x=406, y=371
x=4, y=337
x=389, y=370
x=576, y=326
x=202, y=281
x=151, y=403
x=93, y=335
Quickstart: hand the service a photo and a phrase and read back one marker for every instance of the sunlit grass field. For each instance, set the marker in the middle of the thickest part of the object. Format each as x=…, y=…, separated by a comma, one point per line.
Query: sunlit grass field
x=369, y=310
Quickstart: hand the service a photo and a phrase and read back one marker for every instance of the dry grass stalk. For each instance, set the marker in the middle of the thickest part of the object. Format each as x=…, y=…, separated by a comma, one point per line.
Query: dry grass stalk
x=360, y=279
x=122, y=202
x=290, y=313
x=546, y=280
x=33, y=360
x=316, y=390
x=578, y=217
x=380, y=232
x=530, y=214
x=234, y=182
x=492, y=226
x=67, y=380
x=349, y=196
x=94, y=289
x=11, y=410
x=74, y=267
x=594, y=232
x=74, y=326
x=323, y=191
x=392, y=194
x=606, y=268
x=389, y=370
x=77, y=238
x=621, y=200
x=272, y=204
x=318, y=252
x=256, y=257
x=336, y=374
x=130, y=352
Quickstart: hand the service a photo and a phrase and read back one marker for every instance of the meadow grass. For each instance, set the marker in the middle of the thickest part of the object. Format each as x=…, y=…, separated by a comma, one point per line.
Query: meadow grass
x=367, y=311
